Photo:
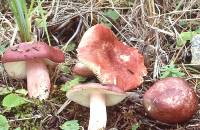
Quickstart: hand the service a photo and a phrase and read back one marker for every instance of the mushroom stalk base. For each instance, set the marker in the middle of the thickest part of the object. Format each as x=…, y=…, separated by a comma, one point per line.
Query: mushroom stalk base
x=38, y=82
x=98, y=115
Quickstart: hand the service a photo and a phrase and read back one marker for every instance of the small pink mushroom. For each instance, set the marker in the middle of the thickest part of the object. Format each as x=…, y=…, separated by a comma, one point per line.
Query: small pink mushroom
x=30, y=61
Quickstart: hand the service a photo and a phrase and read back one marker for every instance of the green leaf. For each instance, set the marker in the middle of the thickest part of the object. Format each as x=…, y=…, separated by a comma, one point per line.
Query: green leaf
x=198, y=30
x=40, y=23
x=170, y=71
x=5, y=90
x=111, y=14
x=13, y=100
x=43, y=19
x=21, y=91
x=77, y=79
x=2, y=48
x=64, y=69
x=70, y=125
x=18, y=128
x=3, y=123
x=135, y=126
x=71, y=47
x=183, y=23
x=184, y=37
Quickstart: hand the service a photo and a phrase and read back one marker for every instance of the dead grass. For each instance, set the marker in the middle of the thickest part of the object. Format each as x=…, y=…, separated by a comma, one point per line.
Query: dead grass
x=152, y=26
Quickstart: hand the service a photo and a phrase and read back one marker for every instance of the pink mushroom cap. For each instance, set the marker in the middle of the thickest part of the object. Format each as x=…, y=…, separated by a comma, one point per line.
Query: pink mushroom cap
x=110, y=59
x=25, y=52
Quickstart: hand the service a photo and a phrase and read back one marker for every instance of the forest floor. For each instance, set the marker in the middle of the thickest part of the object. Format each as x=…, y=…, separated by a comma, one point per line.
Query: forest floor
x=153, y=27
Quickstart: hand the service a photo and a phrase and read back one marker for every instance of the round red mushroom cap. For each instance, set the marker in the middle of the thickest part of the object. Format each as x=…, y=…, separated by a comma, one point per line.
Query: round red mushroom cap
x=37, y=50
x=110, y=59
x=15, y=57
x=170, y=100
x=81, y=93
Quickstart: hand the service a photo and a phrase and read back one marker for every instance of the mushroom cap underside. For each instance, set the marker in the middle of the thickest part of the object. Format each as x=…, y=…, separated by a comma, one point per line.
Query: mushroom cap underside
x=81, y=93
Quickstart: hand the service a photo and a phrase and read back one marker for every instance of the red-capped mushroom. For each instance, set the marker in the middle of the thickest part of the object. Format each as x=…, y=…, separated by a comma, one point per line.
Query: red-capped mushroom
x=111, y=60
x=171, y=100
x=97, y=97
x=30, y=61
x=82, y=70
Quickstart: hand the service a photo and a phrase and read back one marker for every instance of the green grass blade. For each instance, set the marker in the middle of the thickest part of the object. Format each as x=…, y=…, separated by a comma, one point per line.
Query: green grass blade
x=44, y=18
x=31, y=7
x=19, y=9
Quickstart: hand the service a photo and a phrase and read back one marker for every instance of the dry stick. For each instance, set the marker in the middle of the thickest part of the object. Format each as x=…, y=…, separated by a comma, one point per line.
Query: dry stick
x=158, y=9
x=177, y=35
x=156, y=66
x=175, y=12
x=63, y=107
x=159, y=30
x=118, y=8
x=74, y=35
x=91, y=10
x=56, y=10
x=189, y=75
x=117, y=120
x=142, y=8
x=113, y=6
x=128, y=41
x=176, y=32
x=195, y=19
x=184, y=12
x=179, y=4
x=173, y=59
x=4, y=36
x=46, y=118
x=190, y=127
x=51, y=10
x=22, y=119
x=151, y=10
x=5, y=20
x=82, y=128
x=14, y=36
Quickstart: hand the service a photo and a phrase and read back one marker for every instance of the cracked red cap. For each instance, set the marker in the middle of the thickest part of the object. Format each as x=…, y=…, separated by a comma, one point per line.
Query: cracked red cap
x=110, y=59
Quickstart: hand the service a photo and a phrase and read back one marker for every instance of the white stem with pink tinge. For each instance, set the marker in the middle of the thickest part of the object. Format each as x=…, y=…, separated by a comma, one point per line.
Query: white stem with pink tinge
x=98, y=115
x=38, y=82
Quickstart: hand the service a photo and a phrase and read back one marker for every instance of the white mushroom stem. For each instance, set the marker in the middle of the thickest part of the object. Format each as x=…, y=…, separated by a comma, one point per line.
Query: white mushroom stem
x=98, y=115
x=38, y=82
